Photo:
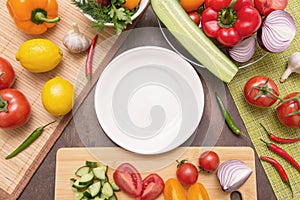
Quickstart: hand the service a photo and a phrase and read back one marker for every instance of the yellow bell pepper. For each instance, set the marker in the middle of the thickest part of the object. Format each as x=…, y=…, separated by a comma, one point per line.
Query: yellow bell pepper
x=33, y=16
x=174, y=190
x=197, y=192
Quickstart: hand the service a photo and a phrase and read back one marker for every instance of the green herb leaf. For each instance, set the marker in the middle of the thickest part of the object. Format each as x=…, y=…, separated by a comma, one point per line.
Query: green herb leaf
x=114, y=13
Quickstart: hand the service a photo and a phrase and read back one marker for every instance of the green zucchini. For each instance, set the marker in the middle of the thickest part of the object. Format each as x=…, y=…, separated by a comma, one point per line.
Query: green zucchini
x=193, y=39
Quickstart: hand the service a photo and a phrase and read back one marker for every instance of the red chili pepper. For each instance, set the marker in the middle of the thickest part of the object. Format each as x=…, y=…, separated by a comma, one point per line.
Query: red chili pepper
x=280, y=169
x=89, y=59
x=280, y=140
x=282, y=153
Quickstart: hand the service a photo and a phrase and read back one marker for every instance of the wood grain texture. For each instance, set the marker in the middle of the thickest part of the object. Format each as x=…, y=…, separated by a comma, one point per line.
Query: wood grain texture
x=70, y=159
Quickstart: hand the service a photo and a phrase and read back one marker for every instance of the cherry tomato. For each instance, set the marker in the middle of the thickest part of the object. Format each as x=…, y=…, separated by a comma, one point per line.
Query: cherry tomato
x=7, y=74
x=261, y=91
x=128, y=179
x=191, y=5
x=195, y=17
x=266, y=6
x=187, y=173
x=153, y=186
x=288, y=111
x=174, y=190
x=209, y=161
x=15, y=109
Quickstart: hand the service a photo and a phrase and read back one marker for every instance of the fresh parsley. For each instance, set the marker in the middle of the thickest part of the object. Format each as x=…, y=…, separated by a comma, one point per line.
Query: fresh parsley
x=114, y=13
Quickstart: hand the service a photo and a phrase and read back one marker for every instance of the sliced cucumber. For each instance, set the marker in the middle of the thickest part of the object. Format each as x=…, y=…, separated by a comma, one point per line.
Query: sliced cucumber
x=82, y=171
x=192, y=38
x=107, y=190
x=113, y=197
x=91, y=163
x=78, y=195
x=86, y=178
x=95, y=188
x=114, y=186
x=79, y=186
x=100, y=172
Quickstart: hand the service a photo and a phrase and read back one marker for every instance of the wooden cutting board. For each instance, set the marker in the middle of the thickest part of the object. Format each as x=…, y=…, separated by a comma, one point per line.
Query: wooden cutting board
x=70, y=159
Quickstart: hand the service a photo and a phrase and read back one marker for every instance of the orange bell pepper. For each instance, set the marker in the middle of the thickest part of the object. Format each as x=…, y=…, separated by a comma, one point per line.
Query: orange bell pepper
x=174, y=190
x=197, y=192
x=33, y=16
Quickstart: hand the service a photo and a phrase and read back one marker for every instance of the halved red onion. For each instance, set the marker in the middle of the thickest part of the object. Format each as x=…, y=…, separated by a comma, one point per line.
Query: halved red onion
x=243, y=51
x=232, y=174
x=277, y=31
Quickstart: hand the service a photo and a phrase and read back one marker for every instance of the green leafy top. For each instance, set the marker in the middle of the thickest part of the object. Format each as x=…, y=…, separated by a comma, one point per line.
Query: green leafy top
x=114, y=13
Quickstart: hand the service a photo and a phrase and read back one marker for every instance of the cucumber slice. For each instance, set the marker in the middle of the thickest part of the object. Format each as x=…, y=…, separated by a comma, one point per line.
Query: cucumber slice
x=82, y=171
x=113, y=197
x=91, y=163
x=100, y=172
x=78, y=195
x=114, y=186
x=107, y=190
x=95, y=188
x=87, y=194
x=79, y=186
x=86, y=178
x=192, y=38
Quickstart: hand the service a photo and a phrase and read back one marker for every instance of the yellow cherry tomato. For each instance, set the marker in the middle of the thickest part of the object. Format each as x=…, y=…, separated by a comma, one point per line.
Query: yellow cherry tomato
x=131, y=4
x=191, y=5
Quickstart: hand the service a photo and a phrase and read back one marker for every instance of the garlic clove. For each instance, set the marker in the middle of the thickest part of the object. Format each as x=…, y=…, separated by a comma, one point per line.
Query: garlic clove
x=75, y=41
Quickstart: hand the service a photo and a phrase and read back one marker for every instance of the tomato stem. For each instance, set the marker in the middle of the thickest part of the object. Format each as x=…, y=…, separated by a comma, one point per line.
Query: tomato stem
x=264, y=90
x=3, y=105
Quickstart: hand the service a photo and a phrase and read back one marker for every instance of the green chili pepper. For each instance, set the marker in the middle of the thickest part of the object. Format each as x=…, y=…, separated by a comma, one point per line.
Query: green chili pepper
x=33, y=136
x=227, y=117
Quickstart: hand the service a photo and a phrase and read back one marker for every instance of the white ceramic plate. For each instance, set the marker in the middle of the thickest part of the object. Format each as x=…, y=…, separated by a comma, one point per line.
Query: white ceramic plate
x=149, y=100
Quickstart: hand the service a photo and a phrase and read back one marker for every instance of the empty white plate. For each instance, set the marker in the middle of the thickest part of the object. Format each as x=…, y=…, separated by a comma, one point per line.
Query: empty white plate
x=149, y=100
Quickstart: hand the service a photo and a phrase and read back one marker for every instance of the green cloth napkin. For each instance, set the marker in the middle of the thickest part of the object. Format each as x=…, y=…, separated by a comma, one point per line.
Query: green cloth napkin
x=272, y=65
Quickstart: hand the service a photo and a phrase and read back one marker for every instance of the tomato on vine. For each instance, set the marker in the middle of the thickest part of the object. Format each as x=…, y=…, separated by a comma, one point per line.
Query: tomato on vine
x=187, y=173
x=209, y=161
x=288, y=111
x=261, y=91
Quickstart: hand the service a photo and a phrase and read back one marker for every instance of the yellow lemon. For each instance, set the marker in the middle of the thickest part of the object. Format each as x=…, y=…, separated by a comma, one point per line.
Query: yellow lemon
x=58, y=96
x=39, y=55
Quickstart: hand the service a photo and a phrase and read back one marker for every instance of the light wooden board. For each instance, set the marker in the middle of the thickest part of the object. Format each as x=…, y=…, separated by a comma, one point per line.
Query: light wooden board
x=70, y=159
x=16, y=172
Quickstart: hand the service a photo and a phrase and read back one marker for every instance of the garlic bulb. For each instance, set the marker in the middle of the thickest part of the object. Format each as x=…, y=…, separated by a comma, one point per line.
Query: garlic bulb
x=293, y=66
x=232, y=174
x=75, y=41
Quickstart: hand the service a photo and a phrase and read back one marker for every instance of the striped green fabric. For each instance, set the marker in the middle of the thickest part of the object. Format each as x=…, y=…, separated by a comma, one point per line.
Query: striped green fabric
x=272, y=65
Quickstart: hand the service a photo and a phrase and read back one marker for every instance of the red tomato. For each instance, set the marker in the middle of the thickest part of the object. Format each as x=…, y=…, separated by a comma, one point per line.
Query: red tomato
x=261, y=91
x=128, y=179
x=7, y=74
x=15, y=109
x=195, y=17
x=186, y=173
x=288, y=112
x=153, y=186
x=191, y=5
x=209, y=161
x=266, y=6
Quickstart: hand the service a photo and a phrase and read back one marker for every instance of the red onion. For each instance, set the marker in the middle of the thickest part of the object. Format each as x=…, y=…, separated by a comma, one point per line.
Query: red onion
x=232, y=174
x=243, y=51
x=277, y=31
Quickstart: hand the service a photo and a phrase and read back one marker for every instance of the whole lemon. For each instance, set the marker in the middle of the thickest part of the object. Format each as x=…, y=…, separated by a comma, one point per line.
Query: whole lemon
x=39, y=55
x=58, y=96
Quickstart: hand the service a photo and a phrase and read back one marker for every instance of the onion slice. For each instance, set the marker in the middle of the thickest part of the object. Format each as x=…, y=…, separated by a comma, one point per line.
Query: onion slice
x=243, y=51
x=232, y=174
x=277, y=31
